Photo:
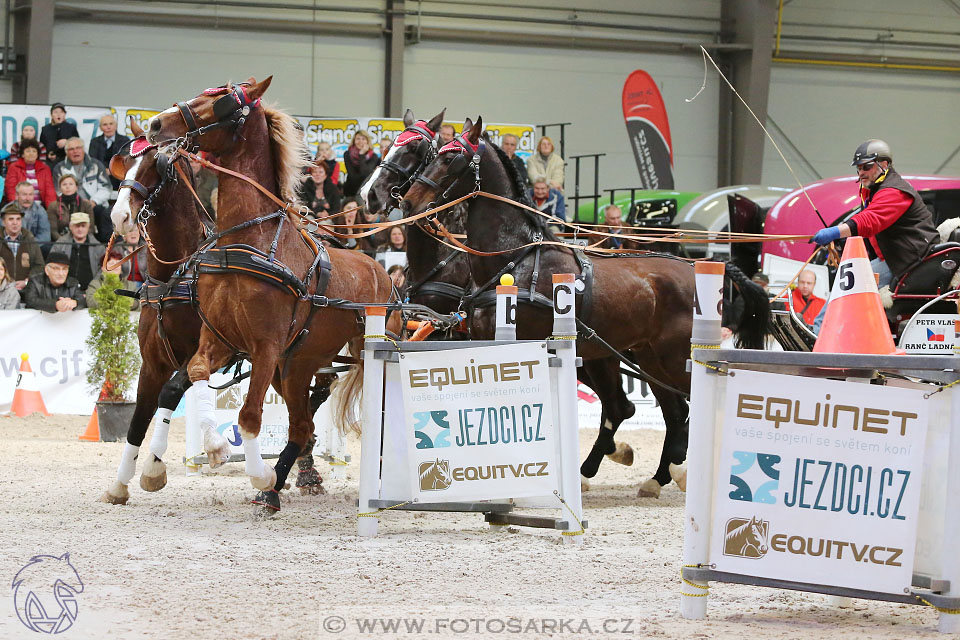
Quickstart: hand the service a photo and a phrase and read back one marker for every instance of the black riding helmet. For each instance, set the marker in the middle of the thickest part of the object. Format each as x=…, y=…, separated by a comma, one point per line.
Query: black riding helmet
x=871, y=151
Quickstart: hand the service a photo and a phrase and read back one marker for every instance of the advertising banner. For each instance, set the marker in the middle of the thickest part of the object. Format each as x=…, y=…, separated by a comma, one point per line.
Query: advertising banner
x=932, y=334
x=648, y=130
x=818, y=481
x=479, y=423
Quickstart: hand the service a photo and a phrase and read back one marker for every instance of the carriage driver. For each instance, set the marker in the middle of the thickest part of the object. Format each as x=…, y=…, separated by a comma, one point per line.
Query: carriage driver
x=893, y=217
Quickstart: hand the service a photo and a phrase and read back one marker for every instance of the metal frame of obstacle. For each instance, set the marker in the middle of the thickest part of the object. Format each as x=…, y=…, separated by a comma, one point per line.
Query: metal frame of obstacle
x=378, y=352
x=941, y=591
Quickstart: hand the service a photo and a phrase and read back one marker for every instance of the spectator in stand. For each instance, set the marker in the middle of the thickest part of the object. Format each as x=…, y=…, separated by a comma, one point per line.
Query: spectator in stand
x=9, y=295
x=20, y=250
x=67, y=203
x=325, y=154
x=360, y=161
x=106, y=145
x=137, y=269
x=207, y=182
x=29, y=168
x=370, y=244
x=121, y=270
x=319, y=192
x=447, y=134
x=93, y=183
x=805, y=304
x=34, y=216
x=509, y=146
x=349, y=217
x=385, y=143
x=613, y=218
x=82, y=248
x=397, y=240
x=55, y=134
x=54, y=291
x=28, y=131
x=546, y=163
x=549, y=201
x=399, y=278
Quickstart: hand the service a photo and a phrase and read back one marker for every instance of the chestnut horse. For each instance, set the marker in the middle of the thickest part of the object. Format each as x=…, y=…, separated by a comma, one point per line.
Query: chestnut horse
x=268, y=292
x=439, y=277
x=169, y=328
x=640, y=305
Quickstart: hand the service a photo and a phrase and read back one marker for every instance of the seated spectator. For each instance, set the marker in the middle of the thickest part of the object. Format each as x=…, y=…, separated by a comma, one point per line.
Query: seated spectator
x=93, y=184
x=106, y=145
x=329, y=158
x=20, y=249
x=9, y=294
x=360, y=161
x=547, y=200
x=324, y=199
x=399, y=277
x=137, y=270
x=397, y=240
x=121, y=270
x=28, y=131
x=805, y=304
x=34, y=217
x=613, y=218
x=55, y=134
x=54, y=291
x=446, y=134
x=509, y=146
x=370, y=244
x=82, y=249
x=385, y=143
x=67, y=203
x=28, y=168
x=546, y=163
x=206, y=184
x=349, y=216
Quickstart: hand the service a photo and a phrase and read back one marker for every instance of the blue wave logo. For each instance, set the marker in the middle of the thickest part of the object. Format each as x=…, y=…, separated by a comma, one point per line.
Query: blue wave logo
x=754, y=477
x=432, y=429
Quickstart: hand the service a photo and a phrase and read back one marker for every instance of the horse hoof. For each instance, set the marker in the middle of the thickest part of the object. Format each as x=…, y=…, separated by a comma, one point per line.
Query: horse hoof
x=310, y=483
x=268, y=501
x=584, y=483
x=623, y=455
x=266, y=482
x=116, y=494
x=679, y=474
x=649, y=489
x=217, y=449
x=154, y=475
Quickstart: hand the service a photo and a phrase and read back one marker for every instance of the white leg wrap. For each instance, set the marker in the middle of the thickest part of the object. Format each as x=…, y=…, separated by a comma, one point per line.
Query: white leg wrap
x=206, y=403
x=128, y=463
x=161, y=429
x=251, y=451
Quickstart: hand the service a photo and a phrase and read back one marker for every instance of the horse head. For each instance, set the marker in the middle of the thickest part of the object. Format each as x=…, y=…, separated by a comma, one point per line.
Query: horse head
x=759, y=532
x=412, y=150
x=454, y=173
x=41, y=586
x=144, y=171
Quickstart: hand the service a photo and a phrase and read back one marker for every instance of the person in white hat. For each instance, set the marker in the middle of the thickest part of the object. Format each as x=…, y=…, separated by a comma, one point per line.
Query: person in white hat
x=84, y=250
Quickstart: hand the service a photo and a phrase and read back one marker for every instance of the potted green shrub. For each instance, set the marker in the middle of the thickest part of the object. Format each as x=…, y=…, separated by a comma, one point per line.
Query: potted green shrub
x=114, y=358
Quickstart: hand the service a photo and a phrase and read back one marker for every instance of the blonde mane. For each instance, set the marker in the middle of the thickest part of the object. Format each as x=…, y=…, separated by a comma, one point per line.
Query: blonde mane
x=290, y=152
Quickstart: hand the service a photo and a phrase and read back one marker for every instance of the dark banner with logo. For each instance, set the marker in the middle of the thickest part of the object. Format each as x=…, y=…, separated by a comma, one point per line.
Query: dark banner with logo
x=648, y=131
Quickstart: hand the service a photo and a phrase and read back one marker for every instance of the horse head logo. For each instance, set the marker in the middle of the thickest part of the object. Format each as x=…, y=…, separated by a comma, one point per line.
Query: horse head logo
x=45, y=594
x=435, y=476
x=746, y=538
x=230, y=398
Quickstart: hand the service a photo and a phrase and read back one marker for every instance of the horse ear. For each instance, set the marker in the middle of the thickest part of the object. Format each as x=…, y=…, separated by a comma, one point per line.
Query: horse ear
x=135, y=127
x=118, y=168
x=408, y=118
x=257, y=89
x=467, y=125
x=474, y=135
x=437, y=120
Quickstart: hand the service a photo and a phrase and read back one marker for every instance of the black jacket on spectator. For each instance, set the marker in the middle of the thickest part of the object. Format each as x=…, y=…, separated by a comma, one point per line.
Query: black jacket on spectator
x=98, y=150
x=330, y=193
x=83, y=270
x=41, y=294
x=53, y=132
x=359, y=168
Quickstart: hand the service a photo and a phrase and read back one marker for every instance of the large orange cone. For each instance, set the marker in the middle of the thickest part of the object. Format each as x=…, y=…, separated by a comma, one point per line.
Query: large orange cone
x=27, y=398
x=92, y=432
x=855, y=321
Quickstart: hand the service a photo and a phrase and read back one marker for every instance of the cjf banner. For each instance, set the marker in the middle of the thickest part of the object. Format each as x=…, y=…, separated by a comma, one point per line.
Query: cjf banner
x=648, y=130
x=479, y=423
x=818, y=481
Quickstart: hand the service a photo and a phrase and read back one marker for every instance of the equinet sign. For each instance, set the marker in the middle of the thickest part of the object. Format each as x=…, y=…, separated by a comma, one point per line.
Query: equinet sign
x=441, y=377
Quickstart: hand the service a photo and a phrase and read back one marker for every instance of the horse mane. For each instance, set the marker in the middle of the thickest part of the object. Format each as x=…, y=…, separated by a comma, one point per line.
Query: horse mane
x=538, y=222
x=290, y=153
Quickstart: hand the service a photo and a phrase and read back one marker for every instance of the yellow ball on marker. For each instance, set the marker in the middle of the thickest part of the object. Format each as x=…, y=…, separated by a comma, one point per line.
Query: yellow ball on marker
x=24, y=356
x=506, y=280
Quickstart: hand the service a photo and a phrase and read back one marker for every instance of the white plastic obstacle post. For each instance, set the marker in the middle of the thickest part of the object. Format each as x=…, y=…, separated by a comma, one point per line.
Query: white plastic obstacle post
x=565, y=332
x=371, y=435
x=950, y=560
x=707, y=306
x=506, y=309
x=194, y=439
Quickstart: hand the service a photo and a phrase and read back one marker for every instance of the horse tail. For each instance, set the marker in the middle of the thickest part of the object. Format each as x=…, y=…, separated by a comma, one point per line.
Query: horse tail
x=756, y=321
x=348, y=392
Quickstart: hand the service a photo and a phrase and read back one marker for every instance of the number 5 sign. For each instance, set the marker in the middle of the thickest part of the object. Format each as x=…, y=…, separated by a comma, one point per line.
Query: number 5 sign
x=854, y=276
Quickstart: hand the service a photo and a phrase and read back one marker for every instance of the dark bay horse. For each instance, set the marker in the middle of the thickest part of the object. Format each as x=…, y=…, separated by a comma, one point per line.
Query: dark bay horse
x=439, y=277
x=641, y=305
x=266, y=289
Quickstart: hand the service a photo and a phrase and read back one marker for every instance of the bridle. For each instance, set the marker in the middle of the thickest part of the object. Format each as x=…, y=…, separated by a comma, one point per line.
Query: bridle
x=426, y=151
x=231, y=110
x=459, y=167
x=167, y=172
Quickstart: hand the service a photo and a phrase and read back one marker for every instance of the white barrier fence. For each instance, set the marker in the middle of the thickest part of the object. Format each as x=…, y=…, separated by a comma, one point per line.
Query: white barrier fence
x=481, y=426
x=815, y=473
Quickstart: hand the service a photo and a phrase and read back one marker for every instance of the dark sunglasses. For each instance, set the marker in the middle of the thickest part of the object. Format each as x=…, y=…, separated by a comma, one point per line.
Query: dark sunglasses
x=866, y=166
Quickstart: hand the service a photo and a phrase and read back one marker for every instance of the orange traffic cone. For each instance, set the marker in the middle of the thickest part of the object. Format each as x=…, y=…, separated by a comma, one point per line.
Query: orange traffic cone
x=26, y=397
x=855, y=321
x=92, y=432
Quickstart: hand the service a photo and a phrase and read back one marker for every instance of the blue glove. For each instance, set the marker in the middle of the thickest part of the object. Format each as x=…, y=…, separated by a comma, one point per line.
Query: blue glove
x=826, y=236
